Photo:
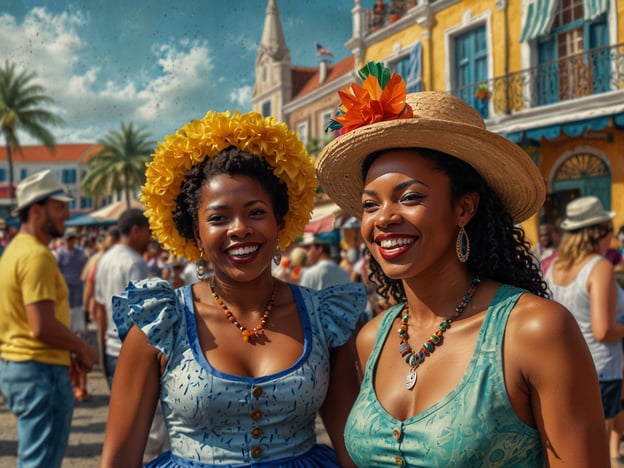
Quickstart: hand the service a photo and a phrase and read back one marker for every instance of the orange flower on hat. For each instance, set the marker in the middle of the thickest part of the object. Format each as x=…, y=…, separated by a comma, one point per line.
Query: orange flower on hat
x=379, y=99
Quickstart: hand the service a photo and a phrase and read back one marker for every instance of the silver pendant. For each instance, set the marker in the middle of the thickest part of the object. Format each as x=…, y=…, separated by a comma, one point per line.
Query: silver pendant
x=410, y=380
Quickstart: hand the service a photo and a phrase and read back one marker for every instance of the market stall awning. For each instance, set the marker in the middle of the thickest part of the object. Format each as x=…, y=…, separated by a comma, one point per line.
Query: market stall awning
x=111, y=212
x=86, y=220
x=323, y=218
x=550, y=132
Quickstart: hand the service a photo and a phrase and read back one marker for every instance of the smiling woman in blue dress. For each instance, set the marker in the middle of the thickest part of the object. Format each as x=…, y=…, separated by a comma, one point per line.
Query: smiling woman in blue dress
x=241, y=362
x=473, y=366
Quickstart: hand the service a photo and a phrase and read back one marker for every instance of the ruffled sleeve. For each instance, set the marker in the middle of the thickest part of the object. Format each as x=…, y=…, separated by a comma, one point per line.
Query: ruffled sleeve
x=340, y=309
x=151, y=305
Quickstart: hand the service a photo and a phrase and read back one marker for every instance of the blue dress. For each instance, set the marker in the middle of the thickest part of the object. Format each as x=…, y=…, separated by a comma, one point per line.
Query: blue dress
x=474, y=425
x=218, y=419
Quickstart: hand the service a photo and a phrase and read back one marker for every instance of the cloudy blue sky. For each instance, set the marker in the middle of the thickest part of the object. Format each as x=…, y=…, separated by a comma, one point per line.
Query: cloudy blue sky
x=156, y=63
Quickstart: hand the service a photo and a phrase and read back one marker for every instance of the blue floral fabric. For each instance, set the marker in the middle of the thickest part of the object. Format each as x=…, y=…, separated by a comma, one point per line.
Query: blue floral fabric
x=219, y=419
x=474, y=425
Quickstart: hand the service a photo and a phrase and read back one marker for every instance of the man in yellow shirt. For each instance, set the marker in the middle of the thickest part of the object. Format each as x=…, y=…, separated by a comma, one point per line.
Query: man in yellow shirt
x=36, y=344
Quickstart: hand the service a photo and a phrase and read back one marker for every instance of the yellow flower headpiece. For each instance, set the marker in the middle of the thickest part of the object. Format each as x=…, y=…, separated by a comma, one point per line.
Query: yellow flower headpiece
x=200, y=139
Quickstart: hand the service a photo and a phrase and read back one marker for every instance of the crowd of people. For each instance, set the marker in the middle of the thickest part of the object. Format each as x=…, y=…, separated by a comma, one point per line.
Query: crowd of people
x=443, y=338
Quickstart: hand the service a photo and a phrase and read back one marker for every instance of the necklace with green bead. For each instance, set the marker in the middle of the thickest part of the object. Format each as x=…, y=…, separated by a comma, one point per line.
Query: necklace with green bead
x=415, y=359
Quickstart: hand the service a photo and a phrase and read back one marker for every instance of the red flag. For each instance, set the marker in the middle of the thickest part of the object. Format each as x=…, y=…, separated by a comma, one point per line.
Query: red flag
x=322, y=51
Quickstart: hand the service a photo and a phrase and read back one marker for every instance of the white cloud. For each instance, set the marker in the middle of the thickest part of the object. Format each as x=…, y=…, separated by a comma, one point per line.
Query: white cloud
x=92, y=104
x=242, y=96
x=186, y=78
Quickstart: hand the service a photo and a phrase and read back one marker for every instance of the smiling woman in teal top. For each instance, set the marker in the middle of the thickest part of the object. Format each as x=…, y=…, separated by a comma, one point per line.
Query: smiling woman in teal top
x=473, y=365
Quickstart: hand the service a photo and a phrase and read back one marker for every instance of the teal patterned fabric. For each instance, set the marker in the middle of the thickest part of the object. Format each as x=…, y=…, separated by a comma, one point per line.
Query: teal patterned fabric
x=473, y=426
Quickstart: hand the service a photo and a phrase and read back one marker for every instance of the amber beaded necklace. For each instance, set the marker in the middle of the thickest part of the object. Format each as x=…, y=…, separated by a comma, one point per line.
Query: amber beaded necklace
x=416, y=359
x=248, y=335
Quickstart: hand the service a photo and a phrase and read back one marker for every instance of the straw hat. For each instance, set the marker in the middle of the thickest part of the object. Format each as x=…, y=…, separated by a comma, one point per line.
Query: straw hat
x=38, y=187
x=584, y=212
x=440, y=122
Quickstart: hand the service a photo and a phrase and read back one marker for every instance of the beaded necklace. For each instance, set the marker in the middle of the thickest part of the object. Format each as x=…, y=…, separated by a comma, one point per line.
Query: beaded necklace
x=415, y=359
x=248, y=335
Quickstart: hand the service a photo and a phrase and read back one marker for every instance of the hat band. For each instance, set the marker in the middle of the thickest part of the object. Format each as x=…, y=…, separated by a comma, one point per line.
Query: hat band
x=54, y=194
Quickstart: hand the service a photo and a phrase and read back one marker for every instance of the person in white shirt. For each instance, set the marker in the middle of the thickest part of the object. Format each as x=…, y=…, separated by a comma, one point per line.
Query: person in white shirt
x=322, y=271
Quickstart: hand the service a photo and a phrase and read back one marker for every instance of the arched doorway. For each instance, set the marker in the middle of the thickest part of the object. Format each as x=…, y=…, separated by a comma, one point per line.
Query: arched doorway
x=580, y=174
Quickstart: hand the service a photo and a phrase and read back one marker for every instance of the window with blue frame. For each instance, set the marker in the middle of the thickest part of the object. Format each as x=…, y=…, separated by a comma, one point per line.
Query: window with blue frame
x=23, y=174
x=69, y=176
x=3, y=174
x=574, y=58
x=401, y=67
x=86, y=203
x=470, y=67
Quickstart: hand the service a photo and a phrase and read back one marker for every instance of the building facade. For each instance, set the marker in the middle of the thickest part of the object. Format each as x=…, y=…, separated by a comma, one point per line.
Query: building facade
x=68, y=163
x=547, y=74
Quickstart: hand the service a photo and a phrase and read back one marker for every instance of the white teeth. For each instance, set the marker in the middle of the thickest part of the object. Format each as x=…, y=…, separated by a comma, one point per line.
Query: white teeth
x=395, y=242
x=242, y=251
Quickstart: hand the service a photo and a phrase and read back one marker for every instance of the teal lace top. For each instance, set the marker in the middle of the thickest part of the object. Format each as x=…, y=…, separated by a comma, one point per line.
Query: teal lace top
x=474, y=425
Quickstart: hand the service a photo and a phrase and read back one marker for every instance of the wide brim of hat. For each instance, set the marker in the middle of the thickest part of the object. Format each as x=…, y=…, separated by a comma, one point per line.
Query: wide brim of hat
x=55, y=196
x=506, y=167
x=569, y=225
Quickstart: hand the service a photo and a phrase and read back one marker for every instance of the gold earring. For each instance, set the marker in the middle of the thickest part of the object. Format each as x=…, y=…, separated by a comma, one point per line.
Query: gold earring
x=462, y=246
x=201, y=265
x=277, y=258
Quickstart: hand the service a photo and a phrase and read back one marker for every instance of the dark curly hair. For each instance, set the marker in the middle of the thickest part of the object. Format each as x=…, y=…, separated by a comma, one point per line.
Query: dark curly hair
x=231, y=161
x=498, y=249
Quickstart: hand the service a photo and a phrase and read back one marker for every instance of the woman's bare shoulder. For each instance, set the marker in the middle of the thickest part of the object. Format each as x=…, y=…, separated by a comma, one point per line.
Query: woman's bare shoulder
x=368, y=334
x=535, y=319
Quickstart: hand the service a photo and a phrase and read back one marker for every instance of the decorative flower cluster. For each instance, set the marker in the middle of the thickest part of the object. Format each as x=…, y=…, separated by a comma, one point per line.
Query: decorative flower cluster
x=380, y=98
x=482, y=91
x=205, y=138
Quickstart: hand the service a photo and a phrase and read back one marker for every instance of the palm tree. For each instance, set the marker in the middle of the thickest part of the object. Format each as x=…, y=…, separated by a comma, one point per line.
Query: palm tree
x=23, y=106
x=120, y=164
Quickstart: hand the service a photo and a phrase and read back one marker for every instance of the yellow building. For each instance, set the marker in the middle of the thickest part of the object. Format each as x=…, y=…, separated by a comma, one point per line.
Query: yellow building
x=548, y=74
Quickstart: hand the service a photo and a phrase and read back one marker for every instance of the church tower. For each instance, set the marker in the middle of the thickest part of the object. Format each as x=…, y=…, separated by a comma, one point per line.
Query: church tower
x=273, y=87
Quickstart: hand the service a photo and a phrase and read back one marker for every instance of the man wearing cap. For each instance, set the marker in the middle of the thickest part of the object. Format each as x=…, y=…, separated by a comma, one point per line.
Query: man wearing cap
x=36, y=344
x=322, y=271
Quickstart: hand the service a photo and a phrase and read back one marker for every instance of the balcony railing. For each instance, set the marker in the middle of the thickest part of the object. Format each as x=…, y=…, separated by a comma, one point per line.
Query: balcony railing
x=585, y=74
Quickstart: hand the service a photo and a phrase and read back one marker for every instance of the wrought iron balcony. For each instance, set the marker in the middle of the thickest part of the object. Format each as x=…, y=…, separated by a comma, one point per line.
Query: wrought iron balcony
x=589, y=73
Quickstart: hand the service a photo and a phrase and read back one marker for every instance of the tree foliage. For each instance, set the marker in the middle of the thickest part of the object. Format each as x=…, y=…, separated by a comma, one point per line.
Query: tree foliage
x=120, y=165
x=24, y=106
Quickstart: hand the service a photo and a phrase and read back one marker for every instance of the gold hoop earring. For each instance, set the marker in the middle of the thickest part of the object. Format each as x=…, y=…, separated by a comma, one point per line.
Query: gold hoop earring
x=462, y=245
x=277, y=258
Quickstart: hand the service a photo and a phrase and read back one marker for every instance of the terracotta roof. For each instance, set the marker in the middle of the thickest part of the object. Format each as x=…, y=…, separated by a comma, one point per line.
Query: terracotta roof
x=306, y=79
x=63, y=153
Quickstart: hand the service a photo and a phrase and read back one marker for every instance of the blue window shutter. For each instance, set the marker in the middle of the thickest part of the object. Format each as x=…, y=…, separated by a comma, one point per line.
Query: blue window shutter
x=471, y=55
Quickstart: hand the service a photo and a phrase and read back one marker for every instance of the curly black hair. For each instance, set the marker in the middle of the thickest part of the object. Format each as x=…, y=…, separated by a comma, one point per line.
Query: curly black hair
x=231, y=161
x=498, y=249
